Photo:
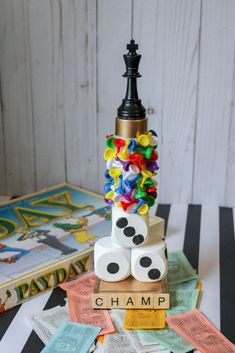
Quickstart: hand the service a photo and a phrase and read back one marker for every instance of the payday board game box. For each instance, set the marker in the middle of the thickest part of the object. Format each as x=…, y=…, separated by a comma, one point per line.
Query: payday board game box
x=47, y=238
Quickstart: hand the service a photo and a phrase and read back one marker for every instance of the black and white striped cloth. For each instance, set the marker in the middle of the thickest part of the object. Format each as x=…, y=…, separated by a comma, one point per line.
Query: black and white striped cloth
x=207, y=237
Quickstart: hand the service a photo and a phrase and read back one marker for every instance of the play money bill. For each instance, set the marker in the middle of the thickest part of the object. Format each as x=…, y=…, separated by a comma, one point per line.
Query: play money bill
x=80, y=309
x=118, y=319
x=100, y=339
x=189, y=285
x=72, y=338
x=166, y=338
x=92, y=347
x=118, y=343
x=196, y=329
x=182, y=301
x=144, y=319
x=79, y=293
x=53, y=318
x=179, y=269
x=43, y=333
x=47, y=322
x=199, y=285
x=83, y=285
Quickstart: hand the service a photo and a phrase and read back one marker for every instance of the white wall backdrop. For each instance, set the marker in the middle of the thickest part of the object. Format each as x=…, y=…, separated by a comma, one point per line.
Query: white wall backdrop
x=61, y=82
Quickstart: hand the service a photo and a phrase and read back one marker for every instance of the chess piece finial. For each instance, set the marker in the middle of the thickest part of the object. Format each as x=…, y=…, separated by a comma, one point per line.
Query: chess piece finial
x=131, y=107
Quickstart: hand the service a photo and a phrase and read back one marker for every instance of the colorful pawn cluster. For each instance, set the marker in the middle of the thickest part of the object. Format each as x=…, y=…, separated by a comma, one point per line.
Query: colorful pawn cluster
x=131, y=164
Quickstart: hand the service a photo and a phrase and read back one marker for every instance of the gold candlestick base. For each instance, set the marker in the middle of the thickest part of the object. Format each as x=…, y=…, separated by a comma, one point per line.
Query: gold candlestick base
x=130, y=128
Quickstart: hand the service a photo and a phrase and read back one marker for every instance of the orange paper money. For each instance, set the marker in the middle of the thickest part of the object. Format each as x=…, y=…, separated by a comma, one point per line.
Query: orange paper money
x=196, y=329
x=100, y=339
x=80, y=310
x=199, y=285
x=144, y=319
x=83, y=285
x=79, y=293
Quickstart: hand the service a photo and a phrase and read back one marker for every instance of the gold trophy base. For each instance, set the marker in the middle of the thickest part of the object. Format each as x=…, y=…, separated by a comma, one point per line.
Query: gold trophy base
x=130, y=128
x=130, y=294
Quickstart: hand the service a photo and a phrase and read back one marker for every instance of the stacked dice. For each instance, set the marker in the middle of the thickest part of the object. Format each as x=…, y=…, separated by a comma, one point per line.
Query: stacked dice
x=132, y=249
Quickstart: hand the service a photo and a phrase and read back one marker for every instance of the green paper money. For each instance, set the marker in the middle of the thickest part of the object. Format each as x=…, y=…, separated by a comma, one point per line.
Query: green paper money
x=179, y=269
x=166, y=338
x=189, y=285
x=182, y=301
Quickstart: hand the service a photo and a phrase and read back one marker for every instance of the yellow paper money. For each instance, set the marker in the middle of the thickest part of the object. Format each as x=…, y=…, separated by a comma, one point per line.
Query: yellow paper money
x=144, y=319
x=199, y=285
x=100, y=339
x=199, y=299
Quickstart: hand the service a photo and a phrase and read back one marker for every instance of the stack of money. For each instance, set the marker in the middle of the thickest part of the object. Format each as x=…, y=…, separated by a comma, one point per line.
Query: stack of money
x=178, y=329
x=147, y=330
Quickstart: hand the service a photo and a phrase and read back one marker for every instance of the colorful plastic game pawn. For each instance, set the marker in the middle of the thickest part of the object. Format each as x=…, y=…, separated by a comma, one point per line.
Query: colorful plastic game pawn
x=140, y=193
x=119, y=143
x=125, y=164
x=123, y=154
x=132, y=145
x=120, y=189
x=129, y=183
x=115, y=174
x=152, y=165
x=136, y=158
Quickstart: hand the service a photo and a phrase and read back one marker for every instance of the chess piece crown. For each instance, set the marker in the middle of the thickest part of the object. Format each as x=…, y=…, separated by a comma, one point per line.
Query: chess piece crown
x=131, y=107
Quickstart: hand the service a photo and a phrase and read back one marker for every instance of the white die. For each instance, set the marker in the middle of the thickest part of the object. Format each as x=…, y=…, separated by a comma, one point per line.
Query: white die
x=111, y=261
x=149, y=263
x=129, y=230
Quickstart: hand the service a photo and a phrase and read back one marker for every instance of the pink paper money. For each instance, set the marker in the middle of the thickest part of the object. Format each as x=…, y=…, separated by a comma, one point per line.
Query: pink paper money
x=81, y=285
x=79, y=293
x=197, y=330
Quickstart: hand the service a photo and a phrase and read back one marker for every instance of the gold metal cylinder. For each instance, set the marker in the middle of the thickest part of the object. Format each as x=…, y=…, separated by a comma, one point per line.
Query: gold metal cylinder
x=130, y=128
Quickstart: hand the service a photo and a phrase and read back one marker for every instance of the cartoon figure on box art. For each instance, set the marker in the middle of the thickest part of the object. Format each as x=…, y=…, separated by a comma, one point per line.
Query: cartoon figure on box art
x=3, y=303
x=5, y=248
x=42, y=236
x=131, y=190
x=104, y=212
x=78, y=230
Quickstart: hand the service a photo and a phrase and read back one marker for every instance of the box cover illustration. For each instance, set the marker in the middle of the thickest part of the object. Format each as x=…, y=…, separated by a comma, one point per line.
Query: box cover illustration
x=47, y=238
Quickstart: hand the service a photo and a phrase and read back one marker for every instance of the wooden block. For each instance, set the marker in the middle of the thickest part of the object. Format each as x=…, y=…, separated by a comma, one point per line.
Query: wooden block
x=130, y=284
x=161, y=301
x=157, y=227
x=99, y=301
x=130, y=300
x=115, y=300
x=146, y=300
x=128, y=295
